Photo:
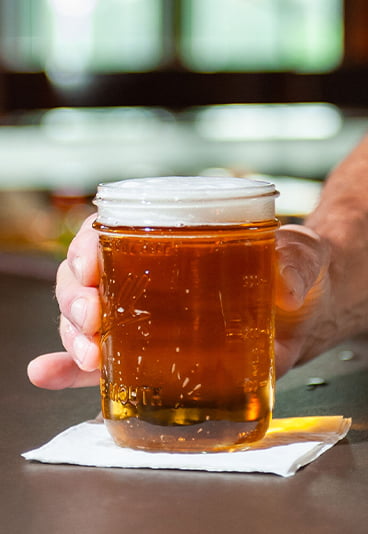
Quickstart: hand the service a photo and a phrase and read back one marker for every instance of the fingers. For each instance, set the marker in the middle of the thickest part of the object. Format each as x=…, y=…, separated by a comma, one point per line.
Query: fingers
x=80, y=318
x=287, y=353
x=82, y=254
x=78, y=298
x=78, y=303
x=84, y=350
x=58, y=371
x=302, y=256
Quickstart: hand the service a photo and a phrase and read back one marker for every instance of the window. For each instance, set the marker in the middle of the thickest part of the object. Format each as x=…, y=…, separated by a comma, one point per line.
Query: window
x=180, y=53
x=255, y=35
x=209, y=35
x=81, y=35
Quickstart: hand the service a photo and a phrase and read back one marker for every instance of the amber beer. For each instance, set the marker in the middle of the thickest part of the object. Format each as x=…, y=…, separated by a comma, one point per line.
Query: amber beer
x=187, y=289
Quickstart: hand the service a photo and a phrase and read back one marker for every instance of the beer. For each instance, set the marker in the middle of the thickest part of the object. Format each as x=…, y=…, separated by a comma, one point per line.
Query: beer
x=187, y=315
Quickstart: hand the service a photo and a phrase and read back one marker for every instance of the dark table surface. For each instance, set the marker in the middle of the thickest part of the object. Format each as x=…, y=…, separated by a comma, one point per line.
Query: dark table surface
x=326, y=496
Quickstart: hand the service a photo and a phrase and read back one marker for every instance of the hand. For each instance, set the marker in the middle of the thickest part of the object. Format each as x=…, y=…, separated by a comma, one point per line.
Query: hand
x=303, y=297
x=302, y=290
x=77, y=294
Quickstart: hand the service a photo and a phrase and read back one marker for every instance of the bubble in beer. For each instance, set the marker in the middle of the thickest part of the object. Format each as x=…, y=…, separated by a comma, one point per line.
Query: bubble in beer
x=185, y=383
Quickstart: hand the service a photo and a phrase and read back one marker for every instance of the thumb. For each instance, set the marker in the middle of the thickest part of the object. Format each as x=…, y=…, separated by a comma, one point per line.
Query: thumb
x=301, y=257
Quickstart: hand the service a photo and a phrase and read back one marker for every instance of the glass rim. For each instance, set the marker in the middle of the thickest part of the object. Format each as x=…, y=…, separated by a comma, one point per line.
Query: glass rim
x=185, y=201
x=231, y=189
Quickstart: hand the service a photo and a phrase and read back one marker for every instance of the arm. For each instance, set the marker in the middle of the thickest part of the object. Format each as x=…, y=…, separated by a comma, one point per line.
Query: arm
x=341, y=219
x=336, y=256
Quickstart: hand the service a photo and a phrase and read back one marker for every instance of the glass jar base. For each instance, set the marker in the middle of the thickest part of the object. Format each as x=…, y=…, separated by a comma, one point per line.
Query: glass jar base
x=208, y=436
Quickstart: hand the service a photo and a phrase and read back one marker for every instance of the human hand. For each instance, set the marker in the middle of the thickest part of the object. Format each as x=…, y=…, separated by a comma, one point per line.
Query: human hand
x=303, y=297
x=78, y=298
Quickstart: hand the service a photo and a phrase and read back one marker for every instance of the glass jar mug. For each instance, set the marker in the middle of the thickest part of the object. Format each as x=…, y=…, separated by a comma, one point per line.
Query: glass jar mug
x=187, y=288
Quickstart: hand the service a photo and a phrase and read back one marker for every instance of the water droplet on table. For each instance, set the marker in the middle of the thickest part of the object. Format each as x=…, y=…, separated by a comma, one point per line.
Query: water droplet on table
x=315, y=382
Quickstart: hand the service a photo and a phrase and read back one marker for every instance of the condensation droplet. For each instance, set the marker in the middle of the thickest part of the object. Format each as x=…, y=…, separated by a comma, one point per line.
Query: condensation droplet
x=346, y=355
x=316, y=382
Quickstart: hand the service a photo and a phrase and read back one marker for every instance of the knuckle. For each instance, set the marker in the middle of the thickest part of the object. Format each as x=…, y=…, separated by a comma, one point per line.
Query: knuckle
x=62, y=278
x=67, y=332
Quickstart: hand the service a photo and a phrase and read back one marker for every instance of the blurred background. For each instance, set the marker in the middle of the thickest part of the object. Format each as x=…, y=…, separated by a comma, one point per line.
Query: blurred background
x=98, y=90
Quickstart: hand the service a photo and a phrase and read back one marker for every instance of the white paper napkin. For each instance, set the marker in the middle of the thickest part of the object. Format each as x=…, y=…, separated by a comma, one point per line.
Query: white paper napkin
x=288, y=445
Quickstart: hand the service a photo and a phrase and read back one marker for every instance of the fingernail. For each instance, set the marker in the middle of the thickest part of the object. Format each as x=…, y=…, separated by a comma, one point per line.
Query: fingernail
x=78, y=311
x=81, y=347
x=78, y=268
x=294, y=282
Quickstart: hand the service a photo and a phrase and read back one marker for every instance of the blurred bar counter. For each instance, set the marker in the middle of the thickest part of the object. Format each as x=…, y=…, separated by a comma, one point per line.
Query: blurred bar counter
x=36, y=227
x=41, y=223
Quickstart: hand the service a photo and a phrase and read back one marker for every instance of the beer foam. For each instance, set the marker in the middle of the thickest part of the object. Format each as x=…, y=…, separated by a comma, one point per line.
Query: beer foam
x=185, y=201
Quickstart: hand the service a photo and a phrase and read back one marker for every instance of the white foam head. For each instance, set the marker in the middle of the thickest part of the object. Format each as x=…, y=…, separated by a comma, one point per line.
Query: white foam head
x=185, y=201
